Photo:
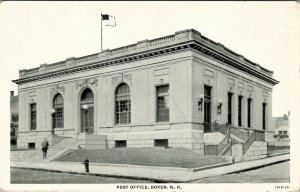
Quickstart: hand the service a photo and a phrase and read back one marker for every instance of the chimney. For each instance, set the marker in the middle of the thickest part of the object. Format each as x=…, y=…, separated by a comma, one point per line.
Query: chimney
x=11, y=93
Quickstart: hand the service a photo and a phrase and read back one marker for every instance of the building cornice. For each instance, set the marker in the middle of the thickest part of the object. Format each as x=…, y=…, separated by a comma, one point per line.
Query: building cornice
x=181, y=41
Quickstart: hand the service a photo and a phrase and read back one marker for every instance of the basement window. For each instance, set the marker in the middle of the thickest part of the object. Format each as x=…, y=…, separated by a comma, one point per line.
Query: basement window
x=31, y=145
x=121, y=144
x=161, y=143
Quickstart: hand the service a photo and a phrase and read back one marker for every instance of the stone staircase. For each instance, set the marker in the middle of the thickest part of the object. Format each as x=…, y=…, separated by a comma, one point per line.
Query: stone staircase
x=36, y=155
x=240, y=135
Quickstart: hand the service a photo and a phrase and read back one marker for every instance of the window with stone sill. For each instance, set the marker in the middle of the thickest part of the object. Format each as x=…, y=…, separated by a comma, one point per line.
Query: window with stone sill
x=58, y=116
x=240, y=99
x=162, y=103
x=229, y=113
x=33, y=116
x=123, y=104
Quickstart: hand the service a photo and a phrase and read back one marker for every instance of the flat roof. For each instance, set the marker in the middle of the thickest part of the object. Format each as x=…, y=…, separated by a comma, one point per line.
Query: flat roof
x=181, y=40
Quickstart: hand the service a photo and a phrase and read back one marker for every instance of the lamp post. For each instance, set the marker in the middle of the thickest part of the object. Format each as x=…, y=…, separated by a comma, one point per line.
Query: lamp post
x=52, y=111
x=85, y=108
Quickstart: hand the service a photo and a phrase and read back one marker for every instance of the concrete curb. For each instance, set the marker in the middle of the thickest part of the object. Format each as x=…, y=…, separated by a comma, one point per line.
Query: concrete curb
x=259, y=166
x=152, y=167
x=211, y=166
x=277, y=154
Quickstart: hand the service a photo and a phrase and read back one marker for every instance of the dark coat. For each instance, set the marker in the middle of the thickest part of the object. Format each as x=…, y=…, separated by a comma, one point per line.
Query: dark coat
x=45, y=145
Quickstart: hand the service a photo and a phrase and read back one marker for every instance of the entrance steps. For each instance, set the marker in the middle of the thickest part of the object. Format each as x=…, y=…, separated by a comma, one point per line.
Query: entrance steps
x=36, y=155
x=240, y=134
x=67, y=142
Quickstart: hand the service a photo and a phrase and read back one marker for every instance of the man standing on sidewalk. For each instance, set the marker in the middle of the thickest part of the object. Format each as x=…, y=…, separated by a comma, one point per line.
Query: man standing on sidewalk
x=45, y=145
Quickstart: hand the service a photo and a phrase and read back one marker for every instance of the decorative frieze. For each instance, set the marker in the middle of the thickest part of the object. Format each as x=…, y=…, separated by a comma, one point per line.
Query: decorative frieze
x=230, y=81
x=122, y=78
x=32, y=94
x=208, y=73
x=116, y=79
x=163, y=71
x=241, y=85
x=128, y=77
x=57, y=89
x=265, y=93
x=250, y=88
x=181, y=41
x=86, y=82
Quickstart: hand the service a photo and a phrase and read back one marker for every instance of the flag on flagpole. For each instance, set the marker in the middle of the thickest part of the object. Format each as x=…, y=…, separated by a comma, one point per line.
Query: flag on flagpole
x=105, y=17
x=107, y=20
x=111, y=20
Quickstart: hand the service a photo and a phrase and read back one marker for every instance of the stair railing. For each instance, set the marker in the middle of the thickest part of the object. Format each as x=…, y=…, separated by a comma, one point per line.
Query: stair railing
x=218, y=148
x=225, y=142
x=256, y=135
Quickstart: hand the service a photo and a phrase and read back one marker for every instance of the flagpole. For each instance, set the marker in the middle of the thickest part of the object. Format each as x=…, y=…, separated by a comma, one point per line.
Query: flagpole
x=101, y=31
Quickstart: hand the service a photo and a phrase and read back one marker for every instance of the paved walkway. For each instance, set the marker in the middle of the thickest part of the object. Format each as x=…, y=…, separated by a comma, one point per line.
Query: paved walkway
x=157, y=174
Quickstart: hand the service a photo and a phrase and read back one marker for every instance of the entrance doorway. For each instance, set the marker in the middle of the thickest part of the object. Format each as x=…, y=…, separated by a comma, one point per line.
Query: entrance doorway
x=87, y=111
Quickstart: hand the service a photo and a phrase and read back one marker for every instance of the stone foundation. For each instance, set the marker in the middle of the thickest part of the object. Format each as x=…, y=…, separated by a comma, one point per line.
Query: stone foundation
x=190, y=139
x=237, y=152
x=36, y=137
x=257, y=150
x=87, y=141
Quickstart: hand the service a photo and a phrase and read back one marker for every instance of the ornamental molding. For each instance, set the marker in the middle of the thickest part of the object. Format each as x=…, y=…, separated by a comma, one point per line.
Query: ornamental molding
x=128, y=78
x=57, y=89
x=185, y=46
x=87, y=82
x=122, y=78
x=114, y=80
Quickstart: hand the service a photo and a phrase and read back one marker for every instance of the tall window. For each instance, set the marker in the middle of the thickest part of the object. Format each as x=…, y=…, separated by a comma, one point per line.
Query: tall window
x=207, y=101
x=240, y=99
x=162, y=103
x=264, y=116
x=123, y=105
x=249, y=112
x=33, y=116
x=58, y=116
x=207, y=109
x=87, y=111
x=229, y=120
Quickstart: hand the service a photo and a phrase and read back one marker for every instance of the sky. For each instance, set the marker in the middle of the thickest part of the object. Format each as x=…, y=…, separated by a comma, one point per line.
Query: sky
x=268, y=33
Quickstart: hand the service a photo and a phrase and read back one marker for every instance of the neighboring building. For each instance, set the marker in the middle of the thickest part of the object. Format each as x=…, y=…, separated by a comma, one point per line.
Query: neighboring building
x=167, y=91
x=282, y=130
x=14, y=117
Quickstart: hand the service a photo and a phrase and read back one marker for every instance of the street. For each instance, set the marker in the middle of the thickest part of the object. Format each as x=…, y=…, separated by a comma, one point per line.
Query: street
x=269, y=174
x=277, y=173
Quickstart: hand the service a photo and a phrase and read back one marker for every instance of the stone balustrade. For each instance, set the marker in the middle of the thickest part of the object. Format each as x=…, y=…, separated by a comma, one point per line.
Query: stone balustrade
x=140, y=46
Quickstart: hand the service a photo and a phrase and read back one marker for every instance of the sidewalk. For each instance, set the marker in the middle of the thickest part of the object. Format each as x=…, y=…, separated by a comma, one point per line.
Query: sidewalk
x=156, y=174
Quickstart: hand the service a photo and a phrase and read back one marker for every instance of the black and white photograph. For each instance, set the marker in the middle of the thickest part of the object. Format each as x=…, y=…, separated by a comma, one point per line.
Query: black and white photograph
x=150, y=96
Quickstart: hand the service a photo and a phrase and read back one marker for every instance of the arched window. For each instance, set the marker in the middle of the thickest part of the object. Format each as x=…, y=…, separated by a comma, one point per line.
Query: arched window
x=87, y=111
x=58, y=116
x=123, y=105
x=87, y=96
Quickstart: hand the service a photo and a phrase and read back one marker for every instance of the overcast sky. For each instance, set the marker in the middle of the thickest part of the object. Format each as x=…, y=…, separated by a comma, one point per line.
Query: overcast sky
x=268, y=33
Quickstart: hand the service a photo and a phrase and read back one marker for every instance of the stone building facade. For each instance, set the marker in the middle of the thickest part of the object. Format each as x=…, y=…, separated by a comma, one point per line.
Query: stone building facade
x=160, y=92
